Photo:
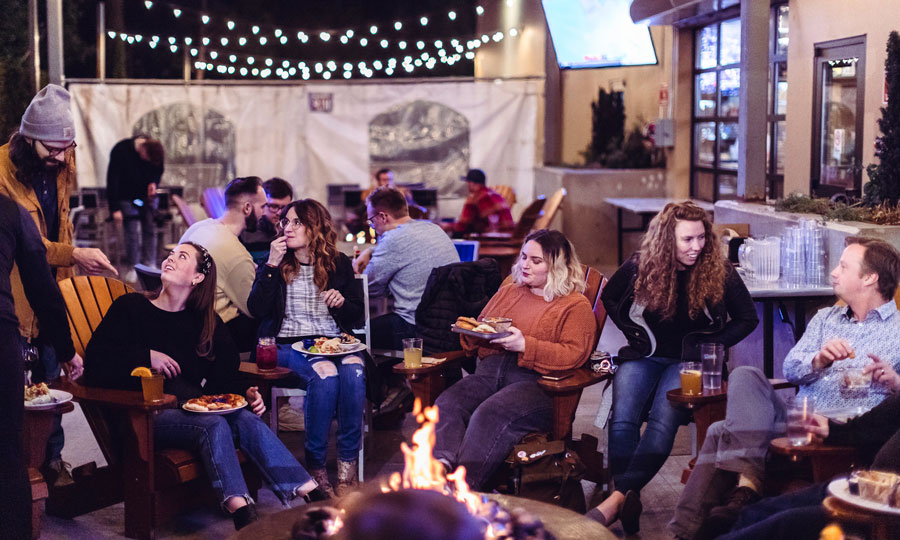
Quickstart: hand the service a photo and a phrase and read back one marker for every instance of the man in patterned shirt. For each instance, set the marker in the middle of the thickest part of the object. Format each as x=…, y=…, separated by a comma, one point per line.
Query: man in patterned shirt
x=485, y=210
x=842, y=336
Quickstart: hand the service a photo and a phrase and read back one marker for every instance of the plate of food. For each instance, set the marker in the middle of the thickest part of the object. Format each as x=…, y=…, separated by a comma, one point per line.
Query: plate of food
x=40, y=396
x=329, y=346
x=215, y=404
x=873, y=490
x=487, y=328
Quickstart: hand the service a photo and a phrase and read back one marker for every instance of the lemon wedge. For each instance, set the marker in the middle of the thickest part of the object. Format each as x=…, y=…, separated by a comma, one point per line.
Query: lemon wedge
x=141, y=372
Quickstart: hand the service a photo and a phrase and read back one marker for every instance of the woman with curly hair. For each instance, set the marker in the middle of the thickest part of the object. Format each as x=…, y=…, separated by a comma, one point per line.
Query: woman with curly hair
x=307, y=289
x=676, y=293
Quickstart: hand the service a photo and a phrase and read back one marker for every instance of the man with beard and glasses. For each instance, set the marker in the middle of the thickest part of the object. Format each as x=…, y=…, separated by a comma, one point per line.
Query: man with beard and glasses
x=279, y=194
x=245, y=202
x=37, y=170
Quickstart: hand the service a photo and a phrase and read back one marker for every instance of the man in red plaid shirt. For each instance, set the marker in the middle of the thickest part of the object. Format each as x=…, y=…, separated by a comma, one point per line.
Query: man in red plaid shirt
x=485, y=210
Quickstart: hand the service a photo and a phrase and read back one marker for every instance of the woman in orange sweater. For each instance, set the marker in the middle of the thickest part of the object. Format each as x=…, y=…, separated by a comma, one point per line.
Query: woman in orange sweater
x=485, y=414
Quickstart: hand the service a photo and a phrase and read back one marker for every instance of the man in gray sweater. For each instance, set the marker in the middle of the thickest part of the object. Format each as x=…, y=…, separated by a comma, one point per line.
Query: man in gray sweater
x=407, y=251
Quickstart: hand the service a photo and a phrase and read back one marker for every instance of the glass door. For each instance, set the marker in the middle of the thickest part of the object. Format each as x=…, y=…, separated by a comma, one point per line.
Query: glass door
x=838, y=117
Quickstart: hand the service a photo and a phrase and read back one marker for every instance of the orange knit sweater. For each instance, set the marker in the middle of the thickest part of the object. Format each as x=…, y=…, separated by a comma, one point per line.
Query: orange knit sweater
x=558, y=334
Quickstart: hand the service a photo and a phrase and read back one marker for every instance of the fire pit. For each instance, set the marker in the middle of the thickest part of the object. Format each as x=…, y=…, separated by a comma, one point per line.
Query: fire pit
x=421, y=471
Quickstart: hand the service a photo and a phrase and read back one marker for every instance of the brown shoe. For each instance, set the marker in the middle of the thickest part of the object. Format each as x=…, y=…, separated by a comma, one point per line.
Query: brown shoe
x=348, y=477
x=321, y=478
x=57, y=473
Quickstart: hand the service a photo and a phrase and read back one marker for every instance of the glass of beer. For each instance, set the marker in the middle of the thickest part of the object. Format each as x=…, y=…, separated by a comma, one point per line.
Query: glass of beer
x=691, y=379
x=266, y=354
x=153, y=386
x=412, y=352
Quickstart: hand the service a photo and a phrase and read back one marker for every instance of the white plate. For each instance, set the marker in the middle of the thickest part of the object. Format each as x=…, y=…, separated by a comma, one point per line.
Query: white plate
x=840, y=488
x=220, y=411
x=58, y=396
x=347, y=349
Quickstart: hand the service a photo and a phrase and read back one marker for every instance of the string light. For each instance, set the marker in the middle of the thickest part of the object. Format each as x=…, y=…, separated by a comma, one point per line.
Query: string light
x=242, y=41
x=479, y=10
x=254, y=29
x=205, y=19
x=230, y=25
x=452, y=15
x=148, y=4
x=389, y=67
x=373, y=29
x=398, y=25
x=176, y=12
x=424, y=21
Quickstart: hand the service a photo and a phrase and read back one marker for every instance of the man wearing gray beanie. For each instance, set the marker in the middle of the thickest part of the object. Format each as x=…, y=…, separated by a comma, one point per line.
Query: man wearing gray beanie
x=37, y=170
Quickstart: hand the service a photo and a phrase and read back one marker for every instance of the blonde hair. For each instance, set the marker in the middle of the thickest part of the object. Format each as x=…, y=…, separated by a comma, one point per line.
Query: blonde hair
x=564, y=272
x=657, y=286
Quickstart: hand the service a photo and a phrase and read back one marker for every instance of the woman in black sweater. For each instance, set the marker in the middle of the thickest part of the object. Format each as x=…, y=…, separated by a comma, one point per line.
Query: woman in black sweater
x=676, y=294
x=307, y=290
x=178, y=334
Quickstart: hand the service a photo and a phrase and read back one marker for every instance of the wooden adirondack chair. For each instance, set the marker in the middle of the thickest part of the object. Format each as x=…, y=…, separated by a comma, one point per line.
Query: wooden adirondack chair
x=153, y=483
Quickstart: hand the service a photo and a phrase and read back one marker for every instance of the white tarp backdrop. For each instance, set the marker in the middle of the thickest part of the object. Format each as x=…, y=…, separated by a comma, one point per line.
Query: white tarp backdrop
x=315, y=135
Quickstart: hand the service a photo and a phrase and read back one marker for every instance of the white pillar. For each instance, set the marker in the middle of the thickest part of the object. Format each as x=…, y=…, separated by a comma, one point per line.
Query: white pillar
x=55, y=66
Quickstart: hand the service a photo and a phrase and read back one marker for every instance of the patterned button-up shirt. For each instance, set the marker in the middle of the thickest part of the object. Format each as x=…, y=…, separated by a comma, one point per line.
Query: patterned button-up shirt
x=878, y=334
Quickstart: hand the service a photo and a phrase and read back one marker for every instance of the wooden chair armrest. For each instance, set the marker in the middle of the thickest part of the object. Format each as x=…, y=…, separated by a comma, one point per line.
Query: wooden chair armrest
x=249, y=370
x=580, y=378
x=452, y=359
x=123, y=399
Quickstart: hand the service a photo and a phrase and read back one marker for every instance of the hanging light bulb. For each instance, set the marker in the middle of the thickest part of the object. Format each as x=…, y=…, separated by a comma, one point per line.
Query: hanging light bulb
x=138, y=38
x=224, y=41
x=302, y=37
x=171, y=39
x=243, y=72
x=498, y=36
x=438, y=44
x=513, y=32
x=262, y=40
x=373, y=29
x=325, y=36
x=285, y=63
x=479, y=10
x=250, y=60
x=344, y=40
x=176, y=12
x=242, y=41
x=283, y=40
x=452, y=15
x=377, y=64
x=230, y=25
x=363, y=42
x=254, y=29
x=420, y=45
x=205, y=19
x=384, y=44
x=213, y=54
x=254, y=72
x=278, y=32
x=424, y=21
x=111, y=34
x=347, y=66
x=148, y=4
x=305, y=75
x=194, y=52
x=205, y=41
x=173, y=48
x=398, y=25
x=331, y=65
x=187, y=41
x=292, y=71
x=130, y=40
x=402, y=45
x=347, y=74
x=269, y=62
x=153, y=44
x=326, y=75
x=231, y=70
x=349, y=33
x=232, y=58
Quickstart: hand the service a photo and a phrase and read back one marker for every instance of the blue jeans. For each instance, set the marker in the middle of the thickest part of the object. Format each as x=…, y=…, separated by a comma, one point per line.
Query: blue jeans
x=140, y=233
x=214, y=437
x=794, y=516
x=339, y=389
x=639, y=393
x=485, y=414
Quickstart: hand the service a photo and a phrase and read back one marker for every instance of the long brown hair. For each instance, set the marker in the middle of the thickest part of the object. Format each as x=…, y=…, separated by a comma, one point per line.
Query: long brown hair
x=322, y=242
x=657, y=285
x=202, y=299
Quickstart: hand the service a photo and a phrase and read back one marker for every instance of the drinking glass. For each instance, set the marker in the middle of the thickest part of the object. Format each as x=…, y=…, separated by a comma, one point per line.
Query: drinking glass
x=799, y=411
x=412, y=352
x=153, y=386
x=713, y=355
x=691, y=378
x=266, y=354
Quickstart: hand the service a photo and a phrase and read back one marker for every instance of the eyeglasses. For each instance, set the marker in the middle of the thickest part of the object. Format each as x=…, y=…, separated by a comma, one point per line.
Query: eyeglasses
x=293, y=223
x=371, y=220
x=275, y=207
x=54, y=151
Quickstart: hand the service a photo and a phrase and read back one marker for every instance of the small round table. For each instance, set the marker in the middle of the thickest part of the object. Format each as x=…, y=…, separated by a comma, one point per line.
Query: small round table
x=881, y=526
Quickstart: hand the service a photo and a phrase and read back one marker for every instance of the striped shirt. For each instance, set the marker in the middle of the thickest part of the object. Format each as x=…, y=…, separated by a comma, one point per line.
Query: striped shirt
x=305, y=313
x=877, y=334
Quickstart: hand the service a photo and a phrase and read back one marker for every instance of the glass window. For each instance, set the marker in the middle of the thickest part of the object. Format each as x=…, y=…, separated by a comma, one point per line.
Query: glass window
x=705, y=144
x=727, y=186
x=731, y=42
x=707, y=43
x=705, y=185
x=728, y=146
x=706, y=94
x=780, y=129
x=731, y=89
x=781, y=86
x=781, y=30
x=838, y=141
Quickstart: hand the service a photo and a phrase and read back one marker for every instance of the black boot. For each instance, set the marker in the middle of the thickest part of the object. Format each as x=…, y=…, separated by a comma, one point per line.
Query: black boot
x=244, y=516
x=722, y=518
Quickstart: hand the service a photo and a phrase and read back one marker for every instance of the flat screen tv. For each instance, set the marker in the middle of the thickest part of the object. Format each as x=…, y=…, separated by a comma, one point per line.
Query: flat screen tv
x=597, y=34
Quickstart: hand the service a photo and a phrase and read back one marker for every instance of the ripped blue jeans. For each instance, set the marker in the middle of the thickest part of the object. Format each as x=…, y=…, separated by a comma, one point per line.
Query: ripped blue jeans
x=333, y=387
